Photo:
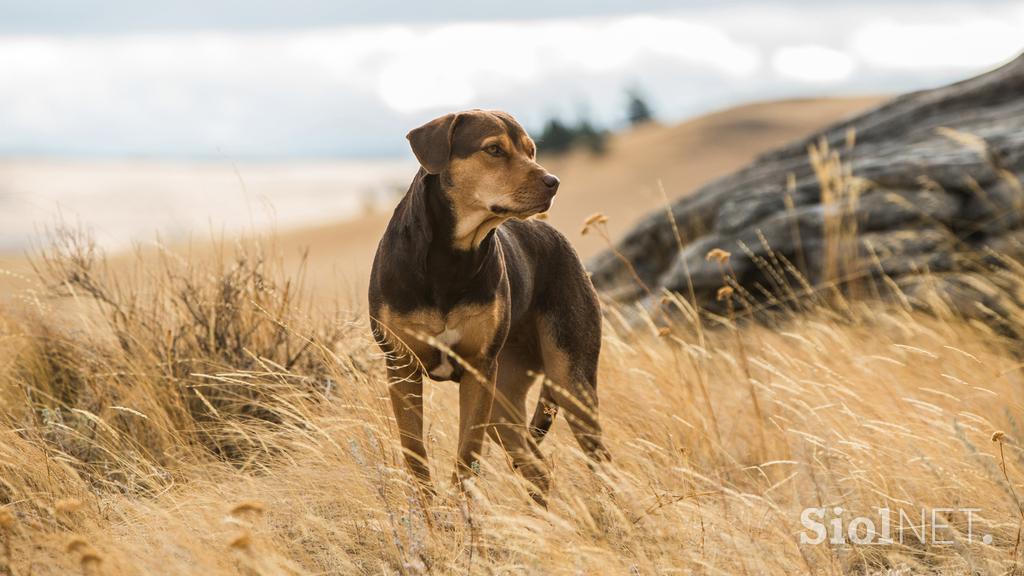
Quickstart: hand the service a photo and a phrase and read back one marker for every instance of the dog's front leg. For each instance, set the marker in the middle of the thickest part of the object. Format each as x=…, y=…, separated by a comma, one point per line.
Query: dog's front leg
x=476, y=397
x=405, y=385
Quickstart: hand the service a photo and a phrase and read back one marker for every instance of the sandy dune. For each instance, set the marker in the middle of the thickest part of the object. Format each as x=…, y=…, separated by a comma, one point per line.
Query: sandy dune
x=621, y=184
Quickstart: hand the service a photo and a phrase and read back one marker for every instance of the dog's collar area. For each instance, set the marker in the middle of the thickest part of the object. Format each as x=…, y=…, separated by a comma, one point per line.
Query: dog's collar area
x=504, y=212
x=472, y=231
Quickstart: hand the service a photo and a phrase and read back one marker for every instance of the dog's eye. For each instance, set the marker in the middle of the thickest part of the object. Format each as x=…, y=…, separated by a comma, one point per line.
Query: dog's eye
x=494, y=150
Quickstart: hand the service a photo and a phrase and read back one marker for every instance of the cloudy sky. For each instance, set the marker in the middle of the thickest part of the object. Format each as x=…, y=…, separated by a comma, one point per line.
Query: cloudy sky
x=251, y=79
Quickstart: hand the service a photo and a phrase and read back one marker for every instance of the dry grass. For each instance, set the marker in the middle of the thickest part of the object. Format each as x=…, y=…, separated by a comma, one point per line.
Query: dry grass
x=201, y=416
x=130, y=449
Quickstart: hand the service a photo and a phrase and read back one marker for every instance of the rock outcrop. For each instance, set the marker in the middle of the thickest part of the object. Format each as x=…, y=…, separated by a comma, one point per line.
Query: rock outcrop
x=924, y=190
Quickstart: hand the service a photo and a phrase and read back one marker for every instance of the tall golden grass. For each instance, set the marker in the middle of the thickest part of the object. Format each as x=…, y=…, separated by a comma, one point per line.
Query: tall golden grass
x=204, y=416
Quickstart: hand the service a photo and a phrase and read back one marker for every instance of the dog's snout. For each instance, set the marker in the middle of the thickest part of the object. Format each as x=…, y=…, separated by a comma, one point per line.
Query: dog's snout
x=551, y=181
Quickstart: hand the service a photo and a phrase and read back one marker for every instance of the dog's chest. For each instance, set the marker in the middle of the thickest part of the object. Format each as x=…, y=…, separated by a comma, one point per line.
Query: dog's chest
x=447, y=340
x=467, y=331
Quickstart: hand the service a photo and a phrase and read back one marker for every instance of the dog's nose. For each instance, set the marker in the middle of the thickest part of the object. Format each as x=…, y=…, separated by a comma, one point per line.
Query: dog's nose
x=551, y=181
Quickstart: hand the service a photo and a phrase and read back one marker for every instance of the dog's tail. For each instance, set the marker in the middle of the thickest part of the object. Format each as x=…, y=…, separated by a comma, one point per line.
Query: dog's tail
x=543, y=415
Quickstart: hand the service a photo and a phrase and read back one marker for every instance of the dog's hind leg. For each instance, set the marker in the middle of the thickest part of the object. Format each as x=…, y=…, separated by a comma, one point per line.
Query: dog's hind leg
x=544, y=414
x=509, y=422
x=570, y=351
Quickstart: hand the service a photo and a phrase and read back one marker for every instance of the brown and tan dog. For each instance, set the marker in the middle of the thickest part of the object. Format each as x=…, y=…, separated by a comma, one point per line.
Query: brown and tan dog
x=464, y=288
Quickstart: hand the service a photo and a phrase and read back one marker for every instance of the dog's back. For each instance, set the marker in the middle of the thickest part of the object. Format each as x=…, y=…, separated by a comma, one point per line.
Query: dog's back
x=545, y=272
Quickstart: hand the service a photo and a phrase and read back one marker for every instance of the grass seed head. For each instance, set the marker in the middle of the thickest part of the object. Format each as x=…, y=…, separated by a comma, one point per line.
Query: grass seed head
x=251, y=506
x=592, y=220
x=90, y=559
x=77, y=544
x=67, y=505
x=242, y=541
x=718, y=255
x=7, y=519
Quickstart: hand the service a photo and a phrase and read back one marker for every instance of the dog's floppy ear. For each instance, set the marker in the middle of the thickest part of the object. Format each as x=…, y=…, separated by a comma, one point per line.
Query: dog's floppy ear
x=432, y=142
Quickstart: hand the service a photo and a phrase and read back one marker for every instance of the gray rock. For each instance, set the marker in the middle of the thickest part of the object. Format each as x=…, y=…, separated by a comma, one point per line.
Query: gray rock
x=907, y=251
x=993, y=300
x=937, y=192
x=992, y=209
x=1006, y=246
x=884, y=209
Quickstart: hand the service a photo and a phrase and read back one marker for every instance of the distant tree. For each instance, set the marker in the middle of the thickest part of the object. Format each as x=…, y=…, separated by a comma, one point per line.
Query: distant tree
x=558, y=137
x=637, y=109
x=592, y=138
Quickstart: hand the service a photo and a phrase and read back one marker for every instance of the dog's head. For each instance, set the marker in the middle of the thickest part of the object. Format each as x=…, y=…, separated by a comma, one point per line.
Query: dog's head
x=487, y=163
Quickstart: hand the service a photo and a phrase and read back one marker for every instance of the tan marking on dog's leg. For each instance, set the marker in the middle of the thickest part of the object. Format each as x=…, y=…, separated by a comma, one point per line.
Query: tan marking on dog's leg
x=405, y=386
x=509, y=429
x=576, y=397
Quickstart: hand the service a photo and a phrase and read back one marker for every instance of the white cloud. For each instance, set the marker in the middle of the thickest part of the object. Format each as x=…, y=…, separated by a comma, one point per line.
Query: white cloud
x=448, y=65
x=349, y=90
x=210, y=81
x=969, y=42
x=812, y=63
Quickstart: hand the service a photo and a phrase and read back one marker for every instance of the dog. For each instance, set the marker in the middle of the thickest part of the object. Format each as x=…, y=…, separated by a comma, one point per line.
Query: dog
x=467, y=287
